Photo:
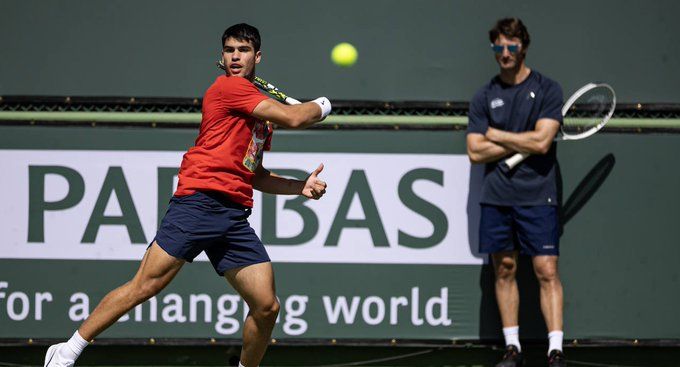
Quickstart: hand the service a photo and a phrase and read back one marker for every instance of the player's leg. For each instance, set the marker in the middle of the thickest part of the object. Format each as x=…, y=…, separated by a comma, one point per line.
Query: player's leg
x=156, y=270
x=538, y=234
x=546, y=269
x=507, y=294
x=175, y=243
x=496, y=238
x=242, y=259
x=255, y=283
x=507, y=298
x=171, y=247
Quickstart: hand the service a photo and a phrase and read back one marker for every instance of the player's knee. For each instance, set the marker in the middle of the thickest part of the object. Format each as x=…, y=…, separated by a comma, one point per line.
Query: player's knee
x=272, y=309
x=147, y=289
x=267, y=311
x=546, y=273
x=505, y=275
x=506, y=269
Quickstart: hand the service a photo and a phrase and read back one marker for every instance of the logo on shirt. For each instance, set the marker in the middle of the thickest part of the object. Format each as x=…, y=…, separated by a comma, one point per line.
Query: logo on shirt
x=497, y=103
x=253, y=157
x=532, y=94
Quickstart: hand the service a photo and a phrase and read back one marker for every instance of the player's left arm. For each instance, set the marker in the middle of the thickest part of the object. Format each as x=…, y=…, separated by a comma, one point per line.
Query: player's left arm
x=537, y=141
x=540, y=139
x=271, y=183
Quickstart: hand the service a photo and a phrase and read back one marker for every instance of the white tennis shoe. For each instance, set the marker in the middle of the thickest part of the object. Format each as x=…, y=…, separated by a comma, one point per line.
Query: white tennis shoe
x=55, y=356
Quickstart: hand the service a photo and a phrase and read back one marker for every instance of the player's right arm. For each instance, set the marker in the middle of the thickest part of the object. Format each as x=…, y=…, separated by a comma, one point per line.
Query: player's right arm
x=239, y=94
x=294, y=116
x=482, y=150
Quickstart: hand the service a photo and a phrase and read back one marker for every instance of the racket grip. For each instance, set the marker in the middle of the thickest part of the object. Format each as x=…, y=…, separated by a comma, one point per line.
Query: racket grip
x=291, y=101
x=513, y=161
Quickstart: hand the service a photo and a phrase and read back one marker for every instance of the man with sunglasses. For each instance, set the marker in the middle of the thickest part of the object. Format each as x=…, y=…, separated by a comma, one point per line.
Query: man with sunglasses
x=519, y=110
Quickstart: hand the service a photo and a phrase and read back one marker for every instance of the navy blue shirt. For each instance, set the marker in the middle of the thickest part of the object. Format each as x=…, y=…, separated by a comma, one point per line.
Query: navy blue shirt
x=516, y=108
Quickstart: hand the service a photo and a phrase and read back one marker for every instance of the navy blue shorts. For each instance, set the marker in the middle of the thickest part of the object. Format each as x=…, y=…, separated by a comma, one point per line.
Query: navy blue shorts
x=207, y=221
x=534, y=230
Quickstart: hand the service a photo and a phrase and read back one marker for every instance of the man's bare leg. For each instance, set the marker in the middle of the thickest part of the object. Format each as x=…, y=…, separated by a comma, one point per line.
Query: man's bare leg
x=255, y=283
x=156, y=270
x=545, y=268
x=507, y=293
x=507, y=296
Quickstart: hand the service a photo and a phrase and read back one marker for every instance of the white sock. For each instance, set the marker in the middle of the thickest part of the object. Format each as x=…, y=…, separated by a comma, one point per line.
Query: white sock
x=512, y=336
x=75, y=346
x=555, y=340
x=240, y=364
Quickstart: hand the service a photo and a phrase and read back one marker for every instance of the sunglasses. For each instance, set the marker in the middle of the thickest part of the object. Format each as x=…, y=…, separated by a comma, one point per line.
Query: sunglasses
x=511, y=48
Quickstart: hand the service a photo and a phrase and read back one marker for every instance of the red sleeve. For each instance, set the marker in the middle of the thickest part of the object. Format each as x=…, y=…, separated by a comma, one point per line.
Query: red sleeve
x=239, y=94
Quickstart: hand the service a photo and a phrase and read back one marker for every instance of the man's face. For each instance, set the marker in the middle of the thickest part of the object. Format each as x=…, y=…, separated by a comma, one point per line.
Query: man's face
x=240, y=58
x=507, y=59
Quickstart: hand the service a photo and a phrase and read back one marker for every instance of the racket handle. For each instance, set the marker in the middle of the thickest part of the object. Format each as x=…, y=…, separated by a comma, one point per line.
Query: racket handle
x=516, y=159
x=291, y=101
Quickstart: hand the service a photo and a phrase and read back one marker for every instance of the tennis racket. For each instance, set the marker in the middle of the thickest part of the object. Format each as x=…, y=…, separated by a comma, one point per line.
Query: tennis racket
x=267, y=87
x=585, y=113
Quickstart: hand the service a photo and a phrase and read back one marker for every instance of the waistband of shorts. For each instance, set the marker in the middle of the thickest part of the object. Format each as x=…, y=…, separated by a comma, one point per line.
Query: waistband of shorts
x=221, y=198
x=224, y=199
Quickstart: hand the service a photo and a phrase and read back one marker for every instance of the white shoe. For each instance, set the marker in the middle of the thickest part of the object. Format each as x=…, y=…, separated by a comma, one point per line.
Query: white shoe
x=55, y=357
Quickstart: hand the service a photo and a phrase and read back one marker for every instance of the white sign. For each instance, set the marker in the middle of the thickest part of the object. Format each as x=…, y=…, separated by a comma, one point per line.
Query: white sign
x=379, y=208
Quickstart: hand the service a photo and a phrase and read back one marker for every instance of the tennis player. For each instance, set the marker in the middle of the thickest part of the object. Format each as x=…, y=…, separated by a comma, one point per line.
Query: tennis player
x=519, y=110
x=209, y=210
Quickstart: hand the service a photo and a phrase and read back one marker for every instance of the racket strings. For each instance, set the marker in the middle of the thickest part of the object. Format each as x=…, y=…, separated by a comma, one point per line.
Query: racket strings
x=589, y=112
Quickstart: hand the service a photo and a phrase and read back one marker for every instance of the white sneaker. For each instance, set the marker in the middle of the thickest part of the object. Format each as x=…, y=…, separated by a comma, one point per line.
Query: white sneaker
x=55, y=357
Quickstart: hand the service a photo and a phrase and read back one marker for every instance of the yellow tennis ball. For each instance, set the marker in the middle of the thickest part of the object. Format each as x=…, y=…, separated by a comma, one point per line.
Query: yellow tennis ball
x=344, y=54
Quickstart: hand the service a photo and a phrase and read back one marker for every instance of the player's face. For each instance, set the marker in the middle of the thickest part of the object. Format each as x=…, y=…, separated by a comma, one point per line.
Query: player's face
x=240, y=58
x=507, y=59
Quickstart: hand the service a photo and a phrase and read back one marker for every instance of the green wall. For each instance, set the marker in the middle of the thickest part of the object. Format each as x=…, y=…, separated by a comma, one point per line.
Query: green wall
x=408, y=50
x=618, y=264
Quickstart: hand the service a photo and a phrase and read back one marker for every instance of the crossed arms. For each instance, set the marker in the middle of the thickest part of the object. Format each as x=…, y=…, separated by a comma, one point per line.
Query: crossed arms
x=496, y=144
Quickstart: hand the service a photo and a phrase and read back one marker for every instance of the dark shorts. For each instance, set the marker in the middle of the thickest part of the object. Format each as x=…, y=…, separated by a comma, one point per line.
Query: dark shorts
x=534, y=230
x=211, y=223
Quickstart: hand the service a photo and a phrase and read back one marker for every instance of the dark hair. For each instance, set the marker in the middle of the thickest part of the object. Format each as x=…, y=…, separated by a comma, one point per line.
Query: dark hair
x=243, y=32
x=510, y=27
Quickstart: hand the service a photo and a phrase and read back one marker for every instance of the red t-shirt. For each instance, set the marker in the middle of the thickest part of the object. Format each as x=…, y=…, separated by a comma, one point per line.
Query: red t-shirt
x=230, y=142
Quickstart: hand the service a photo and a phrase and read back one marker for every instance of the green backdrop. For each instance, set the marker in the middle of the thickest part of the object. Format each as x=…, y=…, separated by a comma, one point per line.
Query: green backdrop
x=408, y=50
x=618, y=264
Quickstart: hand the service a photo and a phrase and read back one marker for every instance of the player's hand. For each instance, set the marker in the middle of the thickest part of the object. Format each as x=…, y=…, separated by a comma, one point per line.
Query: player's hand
x=314, y=187
x=491, y=133
x=325, y=106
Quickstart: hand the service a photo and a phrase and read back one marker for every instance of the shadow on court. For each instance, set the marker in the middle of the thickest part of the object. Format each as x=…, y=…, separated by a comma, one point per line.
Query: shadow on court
x=336, y=356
